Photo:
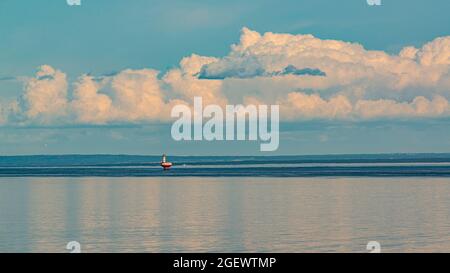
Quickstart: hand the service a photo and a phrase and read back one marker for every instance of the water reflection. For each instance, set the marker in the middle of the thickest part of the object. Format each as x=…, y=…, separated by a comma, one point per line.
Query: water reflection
x=224, y=214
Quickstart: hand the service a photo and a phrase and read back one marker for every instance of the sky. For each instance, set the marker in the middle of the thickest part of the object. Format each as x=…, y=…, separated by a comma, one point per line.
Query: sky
x=101, y=78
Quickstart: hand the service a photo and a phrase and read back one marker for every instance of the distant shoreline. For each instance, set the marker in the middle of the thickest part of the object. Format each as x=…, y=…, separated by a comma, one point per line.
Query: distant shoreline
x=381, y=165
x=123, y=160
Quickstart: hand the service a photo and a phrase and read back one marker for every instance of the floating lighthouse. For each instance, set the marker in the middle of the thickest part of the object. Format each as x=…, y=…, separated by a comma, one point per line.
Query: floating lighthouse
x=166, y=165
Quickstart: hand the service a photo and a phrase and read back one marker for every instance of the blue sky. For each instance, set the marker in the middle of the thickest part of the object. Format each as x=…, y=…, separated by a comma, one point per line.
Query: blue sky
x=107, y=36
x=118, y=34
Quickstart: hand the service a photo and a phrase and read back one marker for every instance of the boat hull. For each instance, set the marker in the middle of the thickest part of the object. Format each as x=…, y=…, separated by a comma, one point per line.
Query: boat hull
x=166, y=165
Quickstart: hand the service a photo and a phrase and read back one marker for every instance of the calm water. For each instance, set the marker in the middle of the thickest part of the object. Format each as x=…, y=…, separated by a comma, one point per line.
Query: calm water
x=229, y=214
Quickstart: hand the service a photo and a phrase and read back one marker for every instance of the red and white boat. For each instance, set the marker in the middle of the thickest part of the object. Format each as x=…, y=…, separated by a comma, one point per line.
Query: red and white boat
x=165, y=164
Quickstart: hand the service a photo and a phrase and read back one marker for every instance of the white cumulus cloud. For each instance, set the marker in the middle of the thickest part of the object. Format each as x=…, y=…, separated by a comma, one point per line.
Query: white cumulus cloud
x=309, y=77
x=45, y=96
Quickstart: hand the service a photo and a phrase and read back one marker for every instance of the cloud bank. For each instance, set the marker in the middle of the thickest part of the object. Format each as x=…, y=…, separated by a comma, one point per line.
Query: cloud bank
x=310, y=78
